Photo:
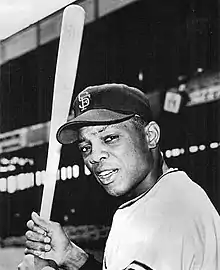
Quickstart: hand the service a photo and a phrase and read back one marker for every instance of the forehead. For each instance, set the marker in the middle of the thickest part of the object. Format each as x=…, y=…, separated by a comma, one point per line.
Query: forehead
x=100, y=129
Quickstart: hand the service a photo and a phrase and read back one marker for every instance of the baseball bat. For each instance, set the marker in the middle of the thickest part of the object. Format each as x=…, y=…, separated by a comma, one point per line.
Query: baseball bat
x=66, y=69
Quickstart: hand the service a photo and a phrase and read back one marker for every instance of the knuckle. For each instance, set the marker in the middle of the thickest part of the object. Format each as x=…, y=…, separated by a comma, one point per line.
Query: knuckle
x=47, y=239
x=47, y=247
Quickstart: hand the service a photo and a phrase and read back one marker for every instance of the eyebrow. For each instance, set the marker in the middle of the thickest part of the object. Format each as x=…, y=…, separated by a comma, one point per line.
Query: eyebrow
x=104, y=128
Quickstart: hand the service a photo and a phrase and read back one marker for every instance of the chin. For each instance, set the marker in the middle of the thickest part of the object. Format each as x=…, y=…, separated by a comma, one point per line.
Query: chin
x=115, y=192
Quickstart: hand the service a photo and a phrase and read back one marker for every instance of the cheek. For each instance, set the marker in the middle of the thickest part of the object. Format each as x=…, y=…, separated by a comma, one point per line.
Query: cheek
x=137, y=160
x=128, y=161
x=134, y=151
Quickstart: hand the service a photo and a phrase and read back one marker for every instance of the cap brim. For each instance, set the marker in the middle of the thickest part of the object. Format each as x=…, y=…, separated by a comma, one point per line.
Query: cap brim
x=67, y=133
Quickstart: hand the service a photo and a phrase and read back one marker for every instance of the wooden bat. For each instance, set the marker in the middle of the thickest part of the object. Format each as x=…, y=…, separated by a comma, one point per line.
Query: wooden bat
x=66, y=68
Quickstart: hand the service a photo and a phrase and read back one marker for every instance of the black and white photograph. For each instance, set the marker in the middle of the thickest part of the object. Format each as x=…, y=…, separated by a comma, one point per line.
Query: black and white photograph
x=110, y=135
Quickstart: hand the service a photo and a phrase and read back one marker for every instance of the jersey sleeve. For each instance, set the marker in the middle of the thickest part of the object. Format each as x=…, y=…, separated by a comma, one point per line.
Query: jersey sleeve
x=91, y=264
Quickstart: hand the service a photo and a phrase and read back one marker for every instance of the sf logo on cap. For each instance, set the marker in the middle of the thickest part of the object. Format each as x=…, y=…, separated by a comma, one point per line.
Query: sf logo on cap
x=84, y=100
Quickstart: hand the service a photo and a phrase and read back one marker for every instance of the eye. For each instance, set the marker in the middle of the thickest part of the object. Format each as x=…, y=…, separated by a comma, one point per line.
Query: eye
x=85, y=149
x=111, y=138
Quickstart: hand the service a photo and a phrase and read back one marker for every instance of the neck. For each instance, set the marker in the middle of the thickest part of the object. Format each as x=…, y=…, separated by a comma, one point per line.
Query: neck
x=159, y=167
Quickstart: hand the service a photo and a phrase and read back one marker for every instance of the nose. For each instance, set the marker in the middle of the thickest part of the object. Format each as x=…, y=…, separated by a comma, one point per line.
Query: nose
x=98, y=154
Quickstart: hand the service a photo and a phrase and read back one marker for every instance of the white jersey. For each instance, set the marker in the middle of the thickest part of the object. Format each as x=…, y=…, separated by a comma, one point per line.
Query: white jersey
x=173, y=226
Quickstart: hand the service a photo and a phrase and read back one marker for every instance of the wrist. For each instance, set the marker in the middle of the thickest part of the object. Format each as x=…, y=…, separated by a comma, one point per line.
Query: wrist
x=74, y=258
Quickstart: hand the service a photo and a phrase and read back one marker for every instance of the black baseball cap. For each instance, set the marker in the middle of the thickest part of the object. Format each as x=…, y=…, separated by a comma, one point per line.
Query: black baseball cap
x=104, y=104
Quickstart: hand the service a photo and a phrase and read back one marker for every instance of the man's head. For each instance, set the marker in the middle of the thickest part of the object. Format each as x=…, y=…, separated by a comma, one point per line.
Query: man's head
x=116, y=135
x=104, y=104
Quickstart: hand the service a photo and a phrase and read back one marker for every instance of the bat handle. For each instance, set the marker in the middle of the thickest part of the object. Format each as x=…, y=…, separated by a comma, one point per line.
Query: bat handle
x=49, y=183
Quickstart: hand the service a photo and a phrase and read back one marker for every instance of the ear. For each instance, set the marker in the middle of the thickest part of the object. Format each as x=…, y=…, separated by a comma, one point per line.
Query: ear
x=152, y=133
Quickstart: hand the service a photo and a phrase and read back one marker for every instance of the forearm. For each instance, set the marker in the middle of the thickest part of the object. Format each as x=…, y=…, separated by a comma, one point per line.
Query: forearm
x=76, y=259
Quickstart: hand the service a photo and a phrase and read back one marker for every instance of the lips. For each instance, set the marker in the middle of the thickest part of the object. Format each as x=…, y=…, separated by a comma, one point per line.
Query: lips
x=106, y=176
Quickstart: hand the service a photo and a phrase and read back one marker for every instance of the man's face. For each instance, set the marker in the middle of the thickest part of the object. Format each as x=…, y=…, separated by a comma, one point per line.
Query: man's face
x=118, y=156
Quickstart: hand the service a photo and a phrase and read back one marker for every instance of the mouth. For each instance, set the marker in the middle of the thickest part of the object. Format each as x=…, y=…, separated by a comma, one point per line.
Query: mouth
x=106, y=176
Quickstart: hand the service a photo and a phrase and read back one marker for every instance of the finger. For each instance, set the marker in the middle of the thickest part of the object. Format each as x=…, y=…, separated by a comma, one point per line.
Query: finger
x=40, y=254
x=33, y=236
x=37, y=246
x=40, y=221
x=33, y=227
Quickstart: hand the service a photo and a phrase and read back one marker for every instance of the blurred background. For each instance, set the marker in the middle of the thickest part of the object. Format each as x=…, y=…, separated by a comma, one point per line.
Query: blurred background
x=167, y=48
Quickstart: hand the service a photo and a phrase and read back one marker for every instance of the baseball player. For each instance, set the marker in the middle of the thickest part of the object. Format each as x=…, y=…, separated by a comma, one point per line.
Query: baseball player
x=167, y=221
